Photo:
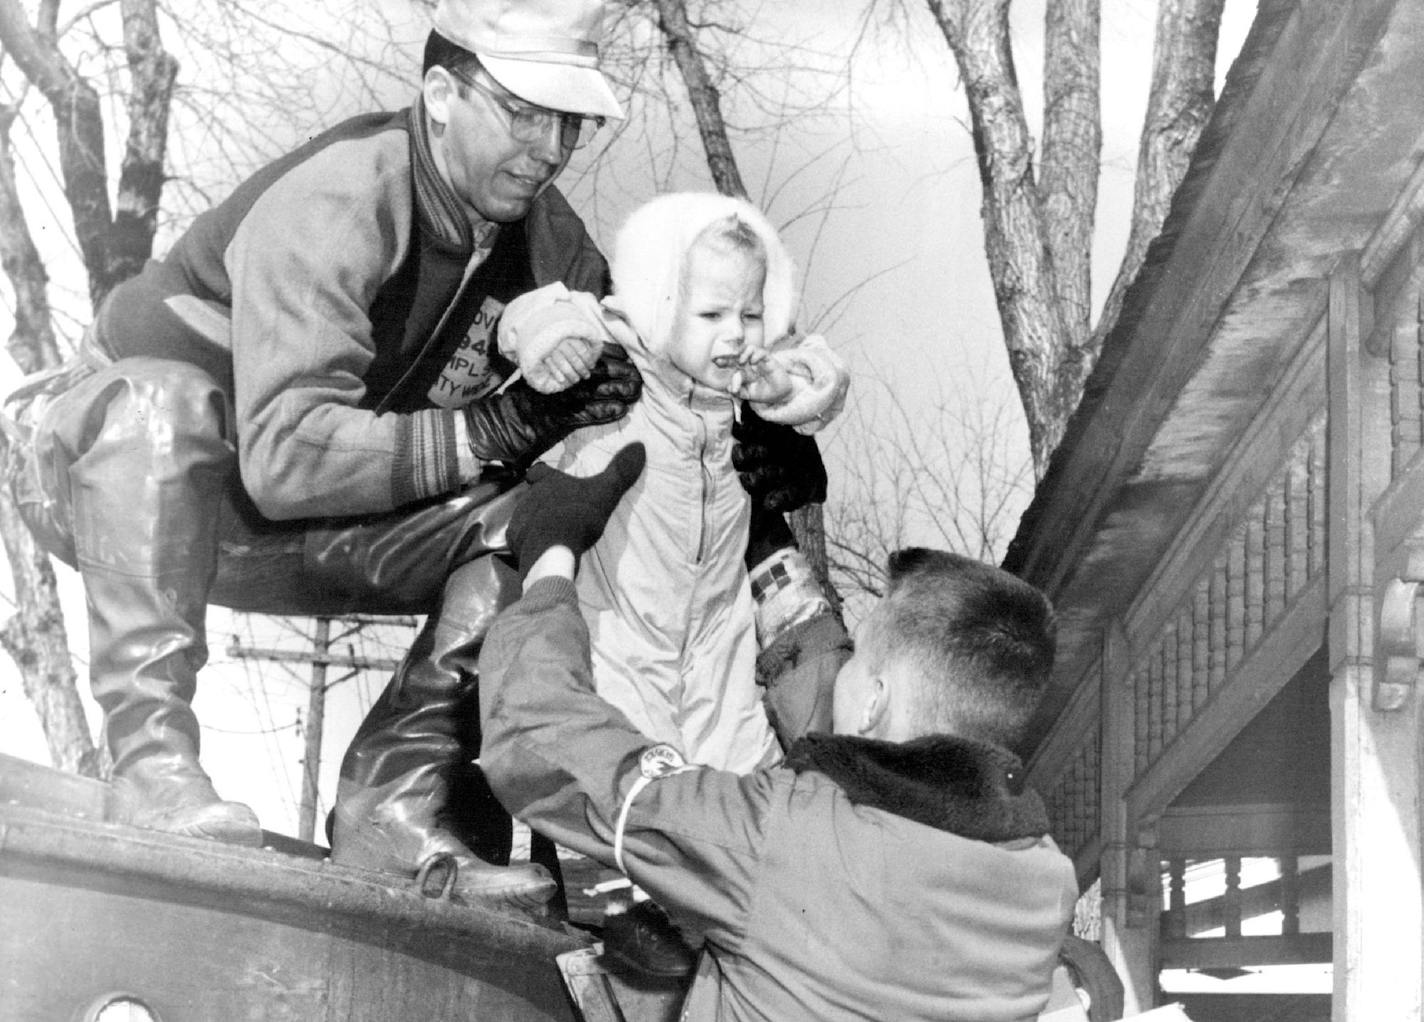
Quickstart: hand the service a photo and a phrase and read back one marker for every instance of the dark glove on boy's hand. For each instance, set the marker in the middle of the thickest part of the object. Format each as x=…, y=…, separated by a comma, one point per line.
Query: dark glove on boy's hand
x=779, y=467
x=520, y=424
x=565, y=510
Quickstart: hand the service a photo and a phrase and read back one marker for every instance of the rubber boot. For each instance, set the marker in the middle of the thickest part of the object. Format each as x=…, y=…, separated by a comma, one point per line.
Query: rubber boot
x=145, y=492
x=144, y=659
x=391, y=812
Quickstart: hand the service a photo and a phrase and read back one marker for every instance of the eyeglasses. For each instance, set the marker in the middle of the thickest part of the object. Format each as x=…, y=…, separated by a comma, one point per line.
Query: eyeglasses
x=531, y=123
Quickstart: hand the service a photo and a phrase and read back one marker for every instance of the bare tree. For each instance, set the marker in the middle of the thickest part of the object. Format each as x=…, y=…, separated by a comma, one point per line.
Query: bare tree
x=1038, y=224
x=959, y=486
x=113, y=244
x=97, y=70
x=34, y=636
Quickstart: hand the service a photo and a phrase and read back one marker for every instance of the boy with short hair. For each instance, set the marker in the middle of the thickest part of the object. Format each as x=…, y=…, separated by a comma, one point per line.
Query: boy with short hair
x=897, y=868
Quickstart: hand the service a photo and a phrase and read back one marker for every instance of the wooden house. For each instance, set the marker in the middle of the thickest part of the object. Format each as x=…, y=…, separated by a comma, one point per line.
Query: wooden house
x=1233, y=534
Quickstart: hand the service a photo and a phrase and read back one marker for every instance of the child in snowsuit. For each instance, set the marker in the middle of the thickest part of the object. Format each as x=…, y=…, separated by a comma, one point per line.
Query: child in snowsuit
x=704, y=301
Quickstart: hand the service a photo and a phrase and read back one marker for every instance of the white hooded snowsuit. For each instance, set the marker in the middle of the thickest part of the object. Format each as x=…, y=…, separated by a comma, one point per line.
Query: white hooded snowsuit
x=665, y=591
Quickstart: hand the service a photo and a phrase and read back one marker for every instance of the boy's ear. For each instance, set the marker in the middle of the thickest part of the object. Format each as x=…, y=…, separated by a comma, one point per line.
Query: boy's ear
x=876, y=709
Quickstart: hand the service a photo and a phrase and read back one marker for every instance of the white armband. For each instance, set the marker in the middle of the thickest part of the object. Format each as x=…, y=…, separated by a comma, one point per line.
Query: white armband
x=656, y=762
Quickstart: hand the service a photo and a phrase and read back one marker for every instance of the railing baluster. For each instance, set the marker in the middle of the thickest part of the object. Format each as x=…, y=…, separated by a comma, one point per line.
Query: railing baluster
x=1290, y=895
x=1298, y=521
x=1231, y=902
x=1177, y=898
x=1154, y=705
x=1255, y=594
x=1276, y=555
x=1219, y=630
x=1236, y=601
x=1141, y=720
x=1317, y=501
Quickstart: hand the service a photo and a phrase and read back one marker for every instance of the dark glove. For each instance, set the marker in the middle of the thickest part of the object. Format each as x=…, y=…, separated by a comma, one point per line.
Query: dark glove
x=564, y=510
x=519, y=424
x=780, y=468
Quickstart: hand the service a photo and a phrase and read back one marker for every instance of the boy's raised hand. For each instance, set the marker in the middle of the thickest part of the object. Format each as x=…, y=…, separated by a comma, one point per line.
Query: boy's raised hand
x=570, y=511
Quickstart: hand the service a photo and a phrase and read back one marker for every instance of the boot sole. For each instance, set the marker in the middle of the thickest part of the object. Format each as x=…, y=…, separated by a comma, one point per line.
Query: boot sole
x=230, y=823
x=226, y=833
x=532, y=897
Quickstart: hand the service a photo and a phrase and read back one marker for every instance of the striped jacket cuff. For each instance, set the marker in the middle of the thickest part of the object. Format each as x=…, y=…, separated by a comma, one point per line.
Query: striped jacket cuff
x=427, y=462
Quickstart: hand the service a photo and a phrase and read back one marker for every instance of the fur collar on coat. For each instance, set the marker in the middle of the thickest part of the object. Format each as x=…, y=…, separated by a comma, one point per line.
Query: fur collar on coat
x=972, y=789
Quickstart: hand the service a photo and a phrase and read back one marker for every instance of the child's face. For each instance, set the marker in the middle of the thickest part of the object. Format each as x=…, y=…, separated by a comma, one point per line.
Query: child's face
x=720, y=314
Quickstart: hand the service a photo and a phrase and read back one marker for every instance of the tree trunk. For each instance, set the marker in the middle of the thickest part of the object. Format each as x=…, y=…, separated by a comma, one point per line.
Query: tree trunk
x=1183, y=92
x=1015, y=239
x=79, y=131
x=808, y=524
x=1039, y=239
x=35, y=636
x=152, y=72
x=114, y=247
x=681, y=43
x=1072, y=149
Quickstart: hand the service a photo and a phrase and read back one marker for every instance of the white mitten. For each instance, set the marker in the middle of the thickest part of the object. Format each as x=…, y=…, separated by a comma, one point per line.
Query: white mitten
x=819, y=383
x=554, y=335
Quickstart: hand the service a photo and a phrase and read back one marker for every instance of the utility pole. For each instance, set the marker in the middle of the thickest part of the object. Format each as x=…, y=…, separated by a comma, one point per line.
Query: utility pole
x=316, y=719
x=320, y=658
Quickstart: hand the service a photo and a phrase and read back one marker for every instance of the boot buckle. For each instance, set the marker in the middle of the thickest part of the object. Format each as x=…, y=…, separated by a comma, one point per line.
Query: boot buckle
x=444, y=869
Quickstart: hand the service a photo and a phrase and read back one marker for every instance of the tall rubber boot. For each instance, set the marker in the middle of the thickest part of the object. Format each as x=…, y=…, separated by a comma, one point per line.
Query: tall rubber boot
x=145, y=491
x=392, y=798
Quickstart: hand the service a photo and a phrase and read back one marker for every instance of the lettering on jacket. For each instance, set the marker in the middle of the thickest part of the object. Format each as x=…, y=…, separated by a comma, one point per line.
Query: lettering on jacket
x=468, y=374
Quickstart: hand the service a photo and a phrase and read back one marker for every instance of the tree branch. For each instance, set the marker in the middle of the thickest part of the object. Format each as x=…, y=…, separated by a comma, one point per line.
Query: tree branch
x=1015, y=239
x=35, y=636
x=79, y=128
x=152, y=73
x=706, y=103
x=31, y=344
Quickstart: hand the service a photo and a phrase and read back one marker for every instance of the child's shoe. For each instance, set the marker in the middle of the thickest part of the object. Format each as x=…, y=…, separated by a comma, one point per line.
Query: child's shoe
x=642, y=937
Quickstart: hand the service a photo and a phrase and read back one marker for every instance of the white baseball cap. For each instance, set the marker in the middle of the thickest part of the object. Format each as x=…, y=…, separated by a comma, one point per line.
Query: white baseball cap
x=543, y=51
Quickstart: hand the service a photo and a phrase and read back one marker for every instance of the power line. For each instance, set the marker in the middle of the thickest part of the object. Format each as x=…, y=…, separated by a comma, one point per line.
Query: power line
x=258, y=696
x=320, y=657
x=253, y=731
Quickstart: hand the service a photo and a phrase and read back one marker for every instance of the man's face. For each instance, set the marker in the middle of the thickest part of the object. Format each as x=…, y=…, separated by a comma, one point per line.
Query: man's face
x=720, y=313
x=495, y=174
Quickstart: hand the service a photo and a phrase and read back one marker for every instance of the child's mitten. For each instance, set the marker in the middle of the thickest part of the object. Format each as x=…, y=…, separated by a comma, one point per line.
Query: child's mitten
x=554, y=335
x=819, y=382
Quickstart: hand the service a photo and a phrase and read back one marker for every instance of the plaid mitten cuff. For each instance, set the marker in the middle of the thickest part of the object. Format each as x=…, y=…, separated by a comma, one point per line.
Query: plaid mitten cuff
x=786, y=594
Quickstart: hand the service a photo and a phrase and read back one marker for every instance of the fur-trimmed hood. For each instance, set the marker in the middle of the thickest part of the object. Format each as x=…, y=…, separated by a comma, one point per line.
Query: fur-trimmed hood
x=651, y=248
x=972, y=789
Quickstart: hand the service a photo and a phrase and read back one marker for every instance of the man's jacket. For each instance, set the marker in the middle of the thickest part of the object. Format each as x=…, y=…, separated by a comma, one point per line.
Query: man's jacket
x=335, y=294
x=860, y=880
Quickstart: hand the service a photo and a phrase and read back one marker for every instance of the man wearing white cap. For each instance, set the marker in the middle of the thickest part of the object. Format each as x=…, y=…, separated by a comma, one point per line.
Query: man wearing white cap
x=294, y=412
